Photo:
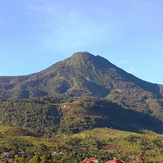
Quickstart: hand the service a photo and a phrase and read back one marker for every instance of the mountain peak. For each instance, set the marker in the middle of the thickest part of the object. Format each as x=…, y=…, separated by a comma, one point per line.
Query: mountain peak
x=78, y=56
x=82, y=54
x=81, y=74
x=86, y=58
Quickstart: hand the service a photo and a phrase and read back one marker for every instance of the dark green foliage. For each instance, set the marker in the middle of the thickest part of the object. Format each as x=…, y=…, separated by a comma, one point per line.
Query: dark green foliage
x=47, y=116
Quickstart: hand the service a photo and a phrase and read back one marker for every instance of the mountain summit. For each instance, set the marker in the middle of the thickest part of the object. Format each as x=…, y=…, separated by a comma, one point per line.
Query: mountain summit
x=81, y=74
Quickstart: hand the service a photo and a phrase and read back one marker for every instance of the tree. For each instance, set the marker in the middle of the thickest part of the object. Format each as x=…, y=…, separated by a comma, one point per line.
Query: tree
x=35, y=159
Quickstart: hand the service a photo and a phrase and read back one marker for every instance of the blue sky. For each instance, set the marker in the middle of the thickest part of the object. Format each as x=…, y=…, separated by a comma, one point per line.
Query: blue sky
x=34, y=34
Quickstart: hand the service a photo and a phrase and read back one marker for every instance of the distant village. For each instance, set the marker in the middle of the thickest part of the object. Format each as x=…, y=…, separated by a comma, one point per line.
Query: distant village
x=5, y=156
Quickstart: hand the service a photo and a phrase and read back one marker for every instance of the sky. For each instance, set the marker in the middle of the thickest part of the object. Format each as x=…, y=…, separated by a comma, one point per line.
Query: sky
x=35, y=34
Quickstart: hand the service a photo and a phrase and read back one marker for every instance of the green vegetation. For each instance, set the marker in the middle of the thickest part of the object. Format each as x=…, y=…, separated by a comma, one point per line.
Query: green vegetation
x=75, y=129
x=46, y=116
x=104, y=144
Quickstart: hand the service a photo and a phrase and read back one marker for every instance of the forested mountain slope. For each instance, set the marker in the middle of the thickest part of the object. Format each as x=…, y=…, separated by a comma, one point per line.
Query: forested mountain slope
x=48, y=116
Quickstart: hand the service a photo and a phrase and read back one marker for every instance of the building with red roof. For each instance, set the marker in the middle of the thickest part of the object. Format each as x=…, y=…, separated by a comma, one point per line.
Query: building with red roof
x=1, y=161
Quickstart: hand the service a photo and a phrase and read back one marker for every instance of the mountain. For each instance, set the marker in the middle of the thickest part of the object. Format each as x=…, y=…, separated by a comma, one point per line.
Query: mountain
x=84, y=74
x=81, y=74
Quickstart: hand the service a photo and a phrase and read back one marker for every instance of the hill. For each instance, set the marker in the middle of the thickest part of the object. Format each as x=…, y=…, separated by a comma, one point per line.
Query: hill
x=103, y=143
x=47, y=116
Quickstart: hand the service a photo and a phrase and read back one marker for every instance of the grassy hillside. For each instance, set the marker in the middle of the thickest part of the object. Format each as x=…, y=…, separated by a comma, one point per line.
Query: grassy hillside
x=104, y=144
